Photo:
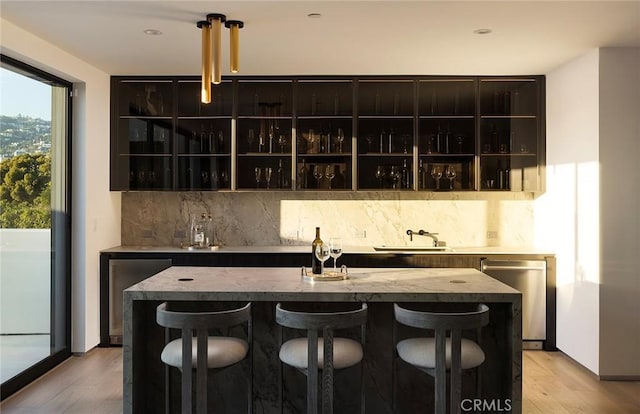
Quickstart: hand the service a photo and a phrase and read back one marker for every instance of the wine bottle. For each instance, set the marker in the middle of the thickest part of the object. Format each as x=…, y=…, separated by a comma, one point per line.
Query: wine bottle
x=405, y=176
x=316, y=264
x=280, y=175
x=500, y=177
x=422, y=176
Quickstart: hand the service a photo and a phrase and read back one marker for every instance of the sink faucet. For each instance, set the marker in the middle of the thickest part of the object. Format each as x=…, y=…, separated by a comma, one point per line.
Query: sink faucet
x=421, y=232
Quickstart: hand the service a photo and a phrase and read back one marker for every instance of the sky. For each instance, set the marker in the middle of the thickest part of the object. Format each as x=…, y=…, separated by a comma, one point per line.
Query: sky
x=22, y=95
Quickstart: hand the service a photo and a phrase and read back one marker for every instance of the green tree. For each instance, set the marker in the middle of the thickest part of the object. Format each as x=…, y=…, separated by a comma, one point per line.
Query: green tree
x=25, y=192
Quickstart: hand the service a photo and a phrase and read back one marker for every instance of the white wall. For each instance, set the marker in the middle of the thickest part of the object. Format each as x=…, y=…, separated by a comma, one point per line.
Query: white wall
x=96, y=211
x=566, y=216
x=620, y=212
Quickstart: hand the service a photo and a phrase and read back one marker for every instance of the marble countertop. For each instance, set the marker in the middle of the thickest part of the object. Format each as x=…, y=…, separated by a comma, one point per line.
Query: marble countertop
x=282, y=249
x=287, y=284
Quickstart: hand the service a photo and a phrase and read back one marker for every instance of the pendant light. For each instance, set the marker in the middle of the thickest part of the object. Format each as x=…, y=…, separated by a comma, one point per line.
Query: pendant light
x=205, y=90
x=216, y=21
x=234, y=27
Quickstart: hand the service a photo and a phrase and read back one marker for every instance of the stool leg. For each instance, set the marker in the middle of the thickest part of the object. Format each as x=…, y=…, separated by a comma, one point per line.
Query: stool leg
x=312, y=372
x=456, y=371
x=327, y=372
x=201, y=372
x=441, y=373
x=187, y=370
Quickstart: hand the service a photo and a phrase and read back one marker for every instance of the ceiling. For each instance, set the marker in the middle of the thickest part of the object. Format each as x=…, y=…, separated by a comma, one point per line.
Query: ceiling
x=350, y=37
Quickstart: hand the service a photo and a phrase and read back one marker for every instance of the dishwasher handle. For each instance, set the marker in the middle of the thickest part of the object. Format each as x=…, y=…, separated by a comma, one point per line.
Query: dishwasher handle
x=497, y=267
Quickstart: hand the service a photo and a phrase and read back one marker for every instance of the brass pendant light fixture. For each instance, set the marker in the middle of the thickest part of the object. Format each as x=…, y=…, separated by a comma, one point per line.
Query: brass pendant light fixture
x=212, y=50
x=216, y=21
x=234, y=27
x=205, y=90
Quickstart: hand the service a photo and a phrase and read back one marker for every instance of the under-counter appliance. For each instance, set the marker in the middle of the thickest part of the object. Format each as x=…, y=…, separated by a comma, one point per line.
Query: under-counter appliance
x=530, y=278
x=124, y=273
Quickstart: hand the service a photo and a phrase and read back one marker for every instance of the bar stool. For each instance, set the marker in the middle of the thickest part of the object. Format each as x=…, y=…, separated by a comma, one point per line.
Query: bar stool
x=207, y=352
x=436, y=355
x=327, y=353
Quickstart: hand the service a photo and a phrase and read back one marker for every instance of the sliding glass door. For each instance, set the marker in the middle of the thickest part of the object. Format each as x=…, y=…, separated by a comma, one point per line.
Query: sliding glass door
x=34, y=223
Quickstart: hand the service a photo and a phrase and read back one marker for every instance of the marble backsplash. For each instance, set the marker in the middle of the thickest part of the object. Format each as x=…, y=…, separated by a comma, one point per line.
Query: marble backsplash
x=360, y=218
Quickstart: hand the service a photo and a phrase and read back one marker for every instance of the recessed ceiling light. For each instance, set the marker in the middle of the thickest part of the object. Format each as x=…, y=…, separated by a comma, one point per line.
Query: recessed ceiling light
x=482, y=31
x=314, y=15
x=152, y=32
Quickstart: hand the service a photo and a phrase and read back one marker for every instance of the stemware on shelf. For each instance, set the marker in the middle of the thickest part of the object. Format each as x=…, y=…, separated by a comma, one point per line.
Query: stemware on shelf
x=340, y=139
x=330, y=173
x=394, y=174
x=369, y=139
x=267, y=176
x=335, y=250
x=450, y=173
x=436, y=173
x=258, y=172
x=380, y=173
x=282, y=141
x=250, y=139
x=317, y=173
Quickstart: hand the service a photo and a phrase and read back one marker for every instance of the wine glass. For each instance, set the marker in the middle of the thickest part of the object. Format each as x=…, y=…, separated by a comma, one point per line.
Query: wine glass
x=394, y=174
x=322, y=253
x=380, y=175
x=460, y=141
x=330, y=173
x=267, y=176
x=282, y=141
x=335, y=250
x=436, y=173
x=369, y=139
x=340, y=139
x=258, y=172
x=317, y=173
x=450, y=173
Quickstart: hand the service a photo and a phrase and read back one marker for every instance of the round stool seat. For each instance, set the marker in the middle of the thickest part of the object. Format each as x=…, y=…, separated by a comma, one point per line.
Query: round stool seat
x=222, y=352
x=346, y=352
x=421, y=352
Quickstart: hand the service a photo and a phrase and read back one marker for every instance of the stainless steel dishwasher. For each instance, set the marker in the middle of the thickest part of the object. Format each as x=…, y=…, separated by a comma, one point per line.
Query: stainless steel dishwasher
x=530, y=278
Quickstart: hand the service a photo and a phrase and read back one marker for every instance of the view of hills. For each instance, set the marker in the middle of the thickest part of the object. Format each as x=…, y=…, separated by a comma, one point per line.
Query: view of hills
x=23, y=134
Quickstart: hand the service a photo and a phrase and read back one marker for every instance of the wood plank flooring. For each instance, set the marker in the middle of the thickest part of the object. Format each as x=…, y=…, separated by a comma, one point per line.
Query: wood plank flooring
x=552, y=384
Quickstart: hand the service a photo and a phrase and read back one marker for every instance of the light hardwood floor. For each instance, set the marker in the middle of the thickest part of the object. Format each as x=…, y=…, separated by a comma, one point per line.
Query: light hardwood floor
x=552, y=384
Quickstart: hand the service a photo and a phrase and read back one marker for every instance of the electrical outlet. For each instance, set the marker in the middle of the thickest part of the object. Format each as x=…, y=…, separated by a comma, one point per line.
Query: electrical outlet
x=492, y=234
x=359, y=234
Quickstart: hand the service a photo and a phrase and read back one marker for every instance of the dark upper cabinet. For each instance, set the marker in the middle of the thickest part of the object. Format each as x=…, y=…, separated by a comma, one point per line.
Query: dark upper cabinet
x=368, y=133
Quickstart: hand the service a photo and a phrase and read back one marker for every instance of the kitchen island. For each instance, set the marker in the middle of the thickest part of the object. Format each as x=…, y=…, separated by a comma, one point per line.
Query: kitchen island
x=144, y=373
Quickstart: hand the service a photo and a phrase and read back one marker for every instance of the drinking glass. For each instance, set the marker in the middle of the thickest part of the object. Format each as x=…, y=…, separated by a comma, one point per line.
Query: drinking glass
x=335, y=250
x=317, y=173
x=258, y=172
x=282, y=141
x=460, y=141
x=380, y=175
x=340, y=139
x=450, y=173
x=330, y=173
x=322, y=253
x=369, y=139
x=251, y=138
x=267, y=176
x=436, y=173
x=394, y=174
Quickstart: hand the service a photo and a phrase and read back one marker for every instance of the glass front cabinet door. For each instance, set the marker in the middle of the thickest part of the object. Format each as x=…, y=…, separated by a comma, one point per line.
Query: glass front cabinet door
x=511, y=149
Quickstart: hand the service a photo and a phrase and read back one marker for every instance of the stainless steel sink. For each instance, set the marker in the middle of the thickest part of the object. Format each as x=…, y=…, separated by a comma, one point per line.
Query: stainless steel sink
x=413, y=248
